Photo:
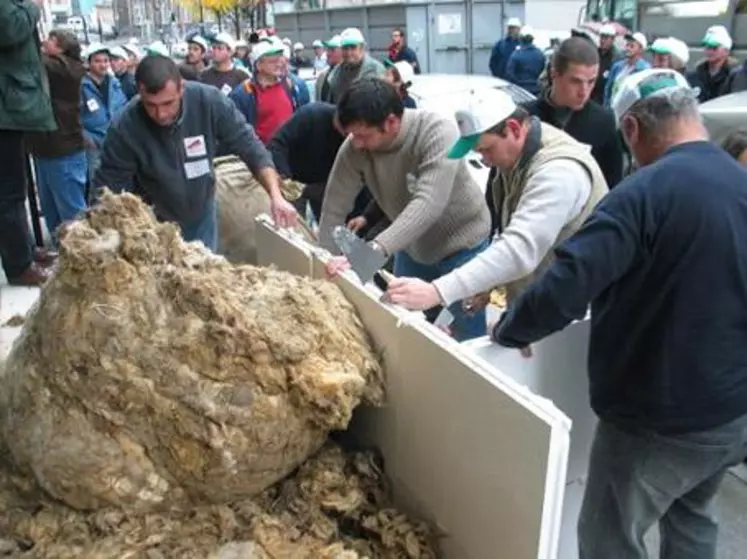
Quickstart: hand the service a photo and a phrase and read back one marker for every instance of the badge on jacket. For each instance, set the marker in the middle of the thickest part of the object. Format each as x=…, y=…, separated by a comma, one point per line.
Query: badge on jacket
x=195, y=146
x=226, y=89
x=92, y=105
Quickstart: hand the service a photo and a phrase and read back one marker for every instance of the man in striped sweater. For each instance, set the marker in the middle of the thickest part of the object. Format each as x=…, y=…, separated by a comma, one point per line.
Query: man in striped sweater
x=439, y=219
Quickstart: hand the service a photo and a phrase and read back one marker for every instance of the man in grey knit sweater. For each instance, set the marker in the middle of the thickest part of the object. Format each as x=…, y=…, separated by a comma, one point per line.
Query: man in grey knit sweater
x=438, y=214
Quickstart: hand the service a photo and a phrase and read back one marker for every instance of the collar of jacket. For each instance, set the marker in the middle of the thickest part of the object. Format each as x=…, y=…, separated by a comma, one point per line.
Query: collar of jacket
x=532, y=144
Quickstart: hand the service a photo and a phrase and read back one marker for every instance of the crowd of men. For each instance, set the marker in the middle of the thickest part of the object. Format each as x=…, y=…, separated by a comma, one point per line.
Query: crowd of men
x=660, y=255
x=515, y=58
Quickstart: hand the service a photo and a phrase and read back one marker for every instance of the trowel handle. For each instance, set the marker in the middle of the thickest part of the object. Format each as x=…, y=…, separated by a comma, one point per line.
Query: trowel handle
x=386, y=276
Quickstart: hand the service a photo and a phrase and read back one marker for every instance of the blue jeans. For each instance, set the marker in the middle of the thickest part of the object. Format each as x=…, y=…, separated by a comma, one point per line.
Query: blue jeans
x=466, y=326
x=62, y=188
x=206, y=229
x=637, y=479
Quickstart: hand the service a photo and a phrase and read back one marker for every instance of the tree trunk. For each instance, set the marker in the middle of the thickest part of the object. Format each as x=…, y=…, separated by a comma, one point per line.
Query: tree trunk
x=237, y=21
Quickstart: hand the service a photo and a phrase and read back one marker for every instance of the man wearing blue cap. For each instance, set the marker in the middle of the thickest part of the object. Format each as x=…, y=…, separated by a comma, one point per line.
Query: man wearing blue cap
x=663, y=262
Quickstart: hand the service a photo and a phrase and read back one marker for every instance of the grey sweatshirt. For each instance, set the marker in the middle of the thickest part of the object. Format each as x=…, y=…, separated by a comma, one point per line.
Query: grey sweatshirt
x=435, y=206
x=342, y=75
x=174, y=165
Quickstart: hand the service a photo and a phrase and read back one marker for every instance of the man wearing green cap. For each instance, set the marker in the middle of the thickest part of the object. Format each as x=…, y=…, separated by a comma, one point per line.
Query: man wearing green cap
x=711, y=75
x=355, y=64
x=334, y=56
x=547, y=185
x=663, y=262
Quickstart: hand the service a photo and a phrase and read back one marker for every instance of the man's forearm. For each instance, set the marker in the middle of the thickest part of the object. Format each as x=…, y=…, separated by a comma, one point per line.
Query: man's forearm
x=270, y=181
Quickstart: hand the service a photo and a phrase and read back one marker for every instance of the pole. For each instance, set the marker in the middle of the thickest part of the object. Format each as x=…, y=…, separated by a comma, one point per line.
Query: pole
x=33, y=204
x=202, y=19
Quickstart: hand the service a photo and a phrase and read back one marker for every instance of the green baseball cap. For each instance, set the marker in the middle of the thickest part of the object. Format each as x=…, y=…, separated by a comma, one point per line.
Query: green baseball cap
x=351, y=37
x=485, y=111
x=333, y=43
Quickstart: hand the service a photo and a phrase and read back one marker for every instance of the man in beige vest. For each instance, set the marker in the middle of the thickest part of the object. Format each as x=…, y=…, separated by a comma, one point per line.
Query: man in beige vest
x=547, y=185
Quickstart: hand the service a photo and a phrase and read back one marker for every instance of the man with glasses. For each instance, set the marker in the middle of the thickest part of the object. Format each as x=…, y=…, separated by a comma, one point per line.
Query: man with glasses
x=400, y=52
x=356, y=64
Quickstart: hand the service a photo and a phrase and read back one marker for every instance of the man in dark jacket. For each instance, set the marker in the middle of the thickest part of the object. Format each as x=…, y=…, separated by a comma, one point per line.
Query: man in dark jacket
x=24, y=107
x=504, y=48
x=712, y=74
x=526, y=63
x=608, y=55
x=60, y=157
x=120, y=64
x=567, y=105
x=663, y=262
x=399, y=51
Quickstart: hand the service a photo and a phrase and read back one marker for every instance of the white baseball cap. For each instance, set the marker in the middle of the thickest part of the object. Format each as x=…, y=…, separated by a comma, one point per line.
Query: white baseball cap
x=654, y=82
x=317, y=44
x=608, y=30
x=199, y=40
x=119, y=52
x=133, y=50
x=717, y=36
x=513, y=22
x=351, y=37
x=404, y=69
x=157, y=47
x=673, y=47
x=265, y=48
x=334, y=42
x=639, y=38
x=224, y=38
x=484, y=112
x=298, y=46
x=287, y=41
x=96, y=48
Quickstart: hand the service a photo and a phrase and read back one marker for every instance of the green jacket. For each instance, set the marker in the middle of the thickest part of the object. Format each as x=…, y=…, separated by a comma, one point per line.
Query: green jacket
x=24, y=92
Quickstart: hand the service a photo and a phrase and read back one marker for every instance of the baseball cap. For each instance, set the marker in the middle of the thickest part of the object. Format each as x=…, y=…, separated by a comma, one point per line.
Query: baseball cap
x=95, y=48
x=673, y=47
x=199, y=40
x=717, y=37
x=317, y=44
x=118, y=52
x=133, y=50
x=287, y=41
x=404, y=68
x=351, y=37
x=513, y=22
x=639, y=38
x=492, y=107
x=157, y=47
x=298, y=46
x=654, y=82
x=224, y=38
x=265, y=48
x=241, y=43
x=608, y=30
x=334, y=42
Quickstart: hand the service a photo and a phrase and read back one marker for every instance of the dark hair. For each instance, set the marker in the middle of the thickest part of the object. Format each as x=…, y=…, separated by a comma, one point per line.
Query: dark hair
x=67, y=42
x=520, y=114
x=398, y=30
x=575, y=50
x=155, y=71
x=369, y=101
x=253, y=38
x=736, y=142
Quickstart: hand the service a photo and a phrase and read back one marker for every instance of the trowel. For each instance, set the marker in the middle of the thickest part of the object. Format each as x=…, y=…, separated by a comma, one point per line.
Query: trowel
x=364, y=260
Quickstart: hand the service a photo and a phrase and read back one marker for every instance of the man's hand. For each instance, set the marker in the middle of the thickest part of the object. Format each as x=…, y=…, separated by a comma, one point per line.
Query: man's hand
x=477, y=303
x=283, y=213
x=357, y=223
x=525, y=351
x=336, y=266
x=413, y=294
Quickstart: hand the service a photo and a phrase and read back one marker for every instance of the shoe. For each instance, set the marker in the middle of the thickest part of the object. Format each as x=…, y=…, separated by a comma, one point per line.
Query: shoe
x=34, y=276
x=45, y=257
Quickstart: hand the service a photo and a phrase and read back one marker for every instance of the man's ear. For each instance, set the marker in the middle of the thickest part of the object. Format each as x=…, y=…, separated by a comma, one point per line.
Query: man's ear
x=630, y=129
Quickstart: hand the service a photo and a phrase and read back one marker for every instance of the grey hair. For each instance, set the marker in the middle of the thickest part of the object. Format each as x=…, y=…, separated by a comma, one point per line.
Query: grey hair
x=657, y=113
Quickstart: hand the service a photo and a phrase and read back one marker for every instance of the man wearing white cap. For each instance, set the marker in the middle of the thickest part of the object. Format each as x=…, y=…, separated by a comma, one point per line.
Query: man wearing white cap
x=712, y=74
x=197, y=47
x=334, y=56
x=355, y=64
x=547, y=185
x=101, y=99
x=663, y=262
x=504, y=48
x=608, y=55
x=320, y=57
x=635, y=49
x=120, y=63
x=223, y=73
x=298, y=60
x=669, y=52
x=269, y=98
x=526, y=63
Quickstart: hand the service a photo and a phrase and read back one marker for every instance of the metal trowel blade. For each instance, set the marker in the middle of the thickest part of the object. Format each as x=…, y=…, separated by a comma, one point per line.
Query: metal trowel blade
x=364, y=260
x=444, y=318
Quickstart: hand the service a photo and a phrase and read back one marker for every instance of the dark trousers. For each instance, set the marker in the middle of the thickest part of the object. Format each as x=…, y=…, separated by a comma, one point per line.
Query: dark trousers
x=15, y=239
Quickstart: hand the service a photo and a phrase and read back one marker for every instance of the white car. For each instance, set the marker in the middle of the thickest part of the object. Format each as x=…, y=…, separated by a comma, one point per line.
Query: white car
x=445, y=94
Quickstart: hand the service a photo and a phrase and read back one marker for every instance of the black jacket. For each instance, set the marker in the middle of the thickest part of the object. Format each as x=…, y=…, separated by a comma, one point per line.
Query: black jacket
x=711, y=85
x=663, y=261
x=606, y=59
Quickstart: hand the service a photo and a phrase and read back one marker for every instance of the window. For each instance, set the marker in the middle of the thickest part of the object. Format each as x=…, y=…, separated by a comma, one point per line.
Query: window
x=686, y=8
